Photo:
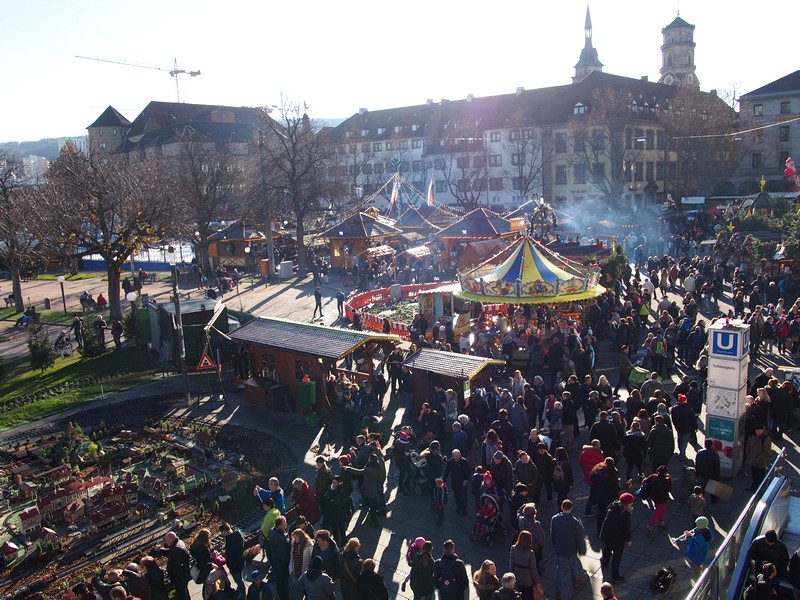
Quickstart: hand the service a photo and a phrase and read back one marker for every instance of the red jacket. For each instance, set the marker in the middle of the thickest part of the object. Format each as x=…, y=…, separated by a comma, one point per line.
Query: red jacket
x=306, y=503
x=588, y=459
x=782, y=328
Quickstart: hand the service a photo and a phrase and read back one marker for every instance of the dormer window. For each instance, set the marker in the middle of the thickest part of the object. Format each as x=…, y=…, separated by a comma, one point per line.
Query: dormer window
x=578, y=109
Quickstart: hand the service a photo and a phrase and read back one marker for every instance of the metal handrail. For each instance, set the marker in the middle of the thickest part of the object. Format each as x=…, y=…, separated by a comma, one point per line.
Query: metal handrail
x=701, y=588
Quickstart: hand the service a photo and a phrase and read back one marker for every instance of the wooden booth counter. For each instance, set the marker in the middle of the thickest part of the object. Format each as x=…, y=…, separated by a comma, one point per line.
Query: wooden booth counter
x=283, y=352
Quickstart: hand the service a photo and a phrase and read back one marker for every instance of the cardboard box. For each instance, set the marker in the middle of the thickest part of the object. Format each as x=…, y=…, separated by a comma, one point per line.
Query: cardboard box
x=719, y=489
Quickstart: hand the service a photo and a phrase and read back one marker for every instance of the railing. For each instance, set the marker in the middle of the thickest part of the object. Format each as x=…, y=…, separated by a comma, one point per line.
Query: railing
x=714, y=581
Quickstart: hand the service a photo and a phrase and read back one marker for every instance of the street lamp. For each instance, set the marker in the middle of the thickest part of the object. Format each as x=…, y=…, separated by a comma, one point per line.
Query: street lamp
x=60, y=280
x=131, y=297
x=179, y=323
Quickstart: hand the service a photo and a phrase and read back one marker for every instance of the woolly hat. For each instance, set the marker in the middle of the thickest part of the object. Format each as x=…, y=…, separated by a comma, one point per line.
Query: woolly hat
x=626, y=498
x=403, y=435
x=498, y=455
x=701, y=522
x=682, y=398
x=487, y=476
x=419, y=542
x=316, y=563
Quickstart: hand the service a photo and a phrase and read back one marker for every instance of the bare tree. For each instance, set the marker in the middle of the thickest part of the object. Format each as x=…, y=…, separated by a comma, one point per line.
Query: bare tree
x=605, y=149
x=529, y=157
x=295, y=157
x=20, y=236
x=350, y=169
x=110, y=207
x=210, y=177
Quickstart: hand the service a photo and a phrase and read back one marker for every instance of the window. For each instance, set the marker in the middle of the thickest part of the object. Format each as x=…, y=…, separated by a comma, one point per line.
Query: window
x=398, y=128
x=561, y=174
x=343, y=171
x=518, y=159
x=649, y=138
x=480, y=184
x=598, y=171
x=364, y=132
x=494, y=136
x=599, y=140
x=351, y=170
x=438, y=163
x=113, y=132
x=348, y=134
x=378, y=168
x=758, y=110
x=381, y=130
x=579, y=142
x=365, y=148
x=416, y=144
x=462, y=162
x=660, y=169
x=660, y=140
x=403, y=167
x=495, y=184
x=390, y=146
x=782, y=158
x=513, y=135
x=301, y=368
x=414, y=126
x=479, y=162
x=640, y=139
x=528, y=134
x=367, y=169
x=561, y=142
x=377, y=147
x=418, y=165
x=519, y=183
x=463, y=185
x=495, y=160
x=756, y=160
x=784, y=133
x=580, y=173
x=351, y=148
x=441, y=187
x=786, y=107
x=403, y=145
x=578, y=109
x=673, y=170
x=649, y=170
x=638, y=170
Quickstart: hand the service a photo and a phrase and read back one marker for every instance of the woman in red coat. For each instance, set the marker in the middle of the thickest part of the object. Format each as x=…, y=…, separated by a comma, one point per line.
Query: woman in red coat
x=304, y=501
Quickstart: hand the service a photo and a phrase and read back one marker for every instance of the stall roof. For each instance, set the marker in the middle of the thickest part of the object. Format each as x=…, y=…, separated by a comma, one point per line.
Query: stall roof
x=361, y=226
x=314, y=340
x=378, y=251
x=480, y=223
x=449, y=364
x=418, y=251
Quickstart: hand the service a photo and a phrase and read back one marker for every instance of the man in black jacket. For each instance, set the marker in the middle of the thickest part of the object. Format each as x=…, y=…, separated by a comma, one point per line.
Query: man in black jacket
x=707, y=466
x=460, y=472
x=768, y=548
x=450, y=574
x=604, y=431
x=616, y=533
x=177, y=565
x=234, y=555
x=684, y=422
x=279, y=554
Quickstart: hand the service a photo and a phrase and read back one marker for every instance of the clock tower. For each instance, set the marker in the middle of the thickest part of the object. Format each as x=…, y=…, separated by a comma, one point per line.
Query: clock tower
x=677, y=55
x=588, y=61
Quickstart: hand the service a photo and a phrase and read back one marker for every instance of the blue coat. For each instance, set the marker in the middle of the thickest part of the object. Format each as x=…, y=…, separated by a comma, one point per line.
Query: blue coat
x=697, y=545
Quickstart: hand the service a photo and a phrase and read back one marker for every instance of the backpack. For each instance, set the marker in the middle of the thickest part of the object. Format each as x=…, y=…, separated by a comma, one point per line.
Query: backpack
x=659, y=347
x=446, y=582
x=644, y=491
x=412, y=552
x=558, y=472
x=662, y=581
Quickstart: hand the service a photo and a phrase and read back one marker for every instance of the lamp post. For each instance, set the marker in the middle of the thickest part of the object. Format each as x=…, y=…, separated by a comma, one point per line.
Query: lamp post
x=131, y=297
x=60, y=280
x=179, y=324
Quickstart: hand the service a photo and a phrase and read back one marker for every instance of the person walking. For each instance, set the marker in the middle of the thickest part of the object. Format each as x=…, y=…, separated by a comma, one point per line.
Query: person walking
x=759, y=453
x=315, y=583
x=340, y=301
x=660, y=443
x=200, y=551
x=563, y=479
x=349, y=569
x=656, y=488
x=234, y=555
x=317, y=302
x=684, y=422
x=177, y=565
x=460, y=472
x=568, y=538
x=605, y=485
x=522, y=562
x=697, y=541
x=302, y=547
x=616, y=534
x=485, y=580
x=421, y=576
x=450, y=574
x=371, y=585
x=279, y=553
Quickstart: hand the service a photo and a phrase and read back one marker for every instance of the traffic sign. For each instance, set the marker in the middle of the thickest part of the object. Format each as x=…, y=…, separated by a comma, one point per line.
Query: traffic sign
x=205, y=362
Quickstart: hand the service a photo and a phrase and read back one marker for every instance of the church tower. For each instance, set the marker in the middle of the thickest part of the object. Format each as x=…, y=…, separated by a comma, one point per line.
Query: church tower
x=677, y=55
x=588, y=62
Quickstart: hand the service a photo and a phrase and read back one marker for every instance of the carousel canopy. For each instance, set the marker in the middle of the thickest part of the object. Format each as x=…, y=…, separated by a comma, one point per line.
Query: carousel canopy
x=531, y=274
x=480, y=223
x=361, y=226
x=412, y=220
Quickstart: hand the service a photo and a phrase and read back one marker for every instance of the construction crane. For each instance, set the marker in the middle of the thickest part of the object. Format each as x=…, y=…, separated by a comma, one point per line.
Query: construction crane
x=173, y=72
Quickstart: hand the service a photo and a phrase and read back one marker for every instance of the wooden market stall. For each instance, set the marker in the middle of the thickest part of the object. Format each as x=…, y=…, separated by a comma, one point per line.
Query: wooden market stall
x=480, y=224
x=227, y=247
x=460, y=372
x=413, y=221
x=355, y=234
x=292, y=359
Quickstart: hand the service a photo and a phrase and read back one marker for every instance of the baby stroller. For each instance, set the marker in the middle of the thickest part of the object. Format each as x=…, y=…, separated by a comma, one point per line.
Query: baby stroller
x=419, y=478
x=641, y=357
x=63, y=341
x=488, y=521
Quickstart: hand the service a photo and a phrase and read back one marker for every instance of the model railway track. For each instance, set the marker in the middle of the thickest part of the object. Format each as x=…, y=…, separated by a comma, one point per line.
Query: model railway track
x=263, y=451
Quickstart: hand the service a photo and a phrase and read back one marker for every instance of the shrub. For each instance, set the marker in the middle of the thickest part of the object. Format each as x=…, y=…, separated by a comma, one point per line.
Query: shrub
x=43, y=355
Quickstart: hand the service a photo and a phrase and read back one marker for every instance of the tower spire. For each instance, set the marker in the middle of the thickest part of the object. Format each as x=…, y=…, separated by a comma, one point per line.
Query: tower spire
x=587, y=28
x=588, y=61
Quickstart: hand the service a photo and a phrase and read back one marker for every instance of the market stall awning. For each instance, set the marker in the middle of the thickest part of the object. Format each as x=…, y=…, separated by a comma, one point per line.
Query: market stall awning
x=328, y=343
x=361, y=226
x=377, y=252
x=417, y=251
x=412, y=220
x=449, y=364
x=481, y=223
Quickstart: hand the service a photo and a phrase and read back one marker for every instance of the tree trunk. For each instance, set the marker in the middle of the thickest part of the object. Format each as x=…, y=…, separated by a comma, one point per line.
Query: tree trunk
x=16, y=286
x=115, y=308
x=301, y=248
x=73, y=265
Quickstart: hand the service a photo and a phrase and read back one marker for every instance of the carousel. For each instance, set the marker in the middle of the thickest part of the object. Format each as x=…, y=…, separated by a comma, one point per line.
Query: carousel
x=503, y=288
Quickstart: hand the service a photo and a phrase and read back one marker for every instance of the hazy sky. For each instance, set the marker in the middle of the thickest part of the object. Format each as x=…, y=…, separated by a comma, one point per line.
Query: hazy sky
x=340, y=56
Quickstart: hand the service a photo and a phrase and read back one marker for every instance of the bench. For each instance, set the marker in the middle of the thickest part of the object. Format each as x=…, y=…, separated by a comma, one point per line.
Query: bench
x=9, y=300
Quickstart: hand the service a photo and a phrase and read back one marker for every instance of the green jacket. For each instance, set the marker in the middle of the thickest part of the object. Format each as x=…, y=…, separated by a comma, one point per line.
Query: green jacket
x=269, y=521
x=625, y=364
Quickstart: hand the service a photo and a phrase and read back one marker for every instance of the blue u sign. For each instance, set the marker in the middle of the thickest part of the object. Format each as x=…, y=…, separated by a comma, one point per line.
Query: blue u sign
x=723, y=343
